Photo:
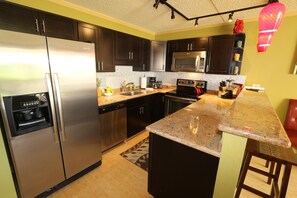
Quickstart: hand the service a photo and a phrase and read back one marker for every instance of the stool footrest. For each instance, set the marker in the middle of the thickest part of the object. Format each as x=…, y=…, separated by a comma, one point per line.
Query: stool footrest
x=260, y=171
x=255, y=191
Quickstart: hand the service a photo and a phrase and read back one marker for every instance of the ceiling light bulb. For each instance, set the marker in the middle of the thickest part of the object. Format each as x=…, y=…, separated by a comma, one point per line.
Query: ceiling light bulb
x=230, y=19
x=172, y=14
x=196, y=22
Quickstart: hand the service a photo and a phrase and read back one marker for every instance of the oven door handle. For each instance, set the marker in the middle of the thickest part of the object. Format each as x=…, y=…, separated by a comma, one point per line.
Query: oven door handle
x=181, y=99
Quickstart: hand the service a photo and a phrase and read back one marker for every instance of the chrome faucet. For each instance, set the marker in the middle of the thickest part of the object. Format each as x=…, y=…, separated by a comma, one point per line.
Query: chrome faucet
x=125, y=85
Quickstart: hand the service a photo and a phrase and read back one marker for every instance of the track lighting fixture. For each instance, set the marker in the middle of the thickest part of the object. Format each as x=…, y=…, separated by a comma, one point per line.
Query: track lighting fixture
x=172, y=14
x=230, y=12
x=230, y=19
x=196, y=22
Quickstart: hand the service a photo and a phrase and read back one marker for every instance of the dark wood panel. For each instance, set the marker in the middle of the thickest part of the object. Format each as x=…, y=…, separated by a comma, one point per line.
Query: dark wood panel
x=57, y=26
x=17, y=18
x=176, y=170
x=106, y=49
x=220, y=54
x=123, y=49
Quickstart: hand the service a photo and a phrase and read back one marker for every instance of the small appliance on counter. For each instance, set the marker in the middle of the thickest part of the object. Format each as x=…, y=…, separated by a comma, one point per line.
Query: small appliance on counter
x=159, y=84
x=152, y=82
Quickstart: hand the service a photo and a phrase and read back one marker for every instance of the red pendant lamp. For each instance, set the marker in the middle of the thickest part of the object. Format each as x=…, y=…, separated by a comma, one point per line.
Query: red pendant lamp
x=264, y=40
x=270, y=19
x=271, y=16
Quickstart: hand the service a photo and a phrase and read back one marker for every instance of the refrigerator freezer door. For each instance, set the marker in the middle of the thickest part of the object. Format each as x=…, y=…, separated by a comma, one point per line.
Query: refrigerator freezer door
x=36, y=156
x=23, y=63
x=74, y=81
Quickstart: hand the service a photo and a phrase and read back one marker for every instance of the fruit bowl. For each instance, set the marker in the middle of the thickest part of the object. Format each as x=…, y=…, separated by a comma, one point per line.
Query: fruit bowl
x=107, y=94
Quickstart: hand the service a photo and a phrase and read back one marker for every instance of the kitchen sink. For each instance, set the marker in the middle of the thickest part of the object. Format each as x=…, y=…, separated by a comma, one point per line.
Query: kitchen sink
x=132, y=93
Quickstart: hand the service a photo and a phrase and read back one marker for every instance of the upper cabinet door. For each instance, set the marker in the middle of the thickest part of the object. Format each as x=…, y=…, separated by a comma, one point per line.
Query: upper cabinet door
x=158, y=55
x=20, y=19
x=199, y=44
x=106, y=49
x=88, y=33
x=220, y=54
x=123, y=49
x=57, y=26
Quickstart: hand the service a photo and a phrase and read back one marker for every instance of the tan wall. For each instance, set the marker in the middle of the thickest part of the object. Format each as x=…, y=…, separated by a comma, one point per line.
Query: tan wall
x=272, y=69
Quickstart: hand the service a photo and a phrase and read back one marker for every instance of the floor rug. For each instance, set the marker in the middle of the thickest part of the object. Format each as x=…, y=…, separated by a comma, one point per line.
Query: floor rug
x=138, y=154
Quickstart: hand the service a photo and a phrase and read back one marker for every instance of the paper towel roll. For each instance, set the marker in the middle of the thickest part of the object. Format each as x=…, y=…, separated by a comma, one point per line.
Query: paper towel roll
x=143, y=82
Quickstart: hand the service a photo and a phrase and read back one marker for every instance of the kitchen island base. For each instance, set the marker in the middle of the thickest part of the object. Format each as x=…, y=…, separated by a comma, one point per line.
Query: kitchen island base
x=176, y=170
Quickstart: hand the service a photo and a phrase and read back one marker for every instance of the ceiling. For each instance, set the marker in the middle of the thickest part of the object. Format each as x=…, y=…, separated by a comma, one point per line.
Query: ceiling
x=141, y=13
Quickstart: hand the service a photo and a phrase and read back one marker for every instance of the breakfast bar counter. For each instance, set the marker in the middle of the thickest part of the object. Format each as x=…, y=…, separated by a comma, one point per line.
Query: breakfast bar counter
x=223, y=128
x=196, y=124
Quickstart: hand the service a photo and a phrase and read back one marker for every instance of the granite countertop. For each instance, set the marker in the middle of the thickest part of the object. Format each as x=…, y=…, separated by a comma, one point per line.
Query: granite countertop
x=210, y=109
x=252, y=116
x=117, y=97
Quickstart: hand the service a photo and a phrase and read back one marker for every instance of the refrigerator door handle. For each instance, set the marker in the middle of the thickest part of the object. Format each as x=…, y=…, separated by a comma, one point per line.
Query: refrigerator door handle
x=59, y=102
x=50, y=90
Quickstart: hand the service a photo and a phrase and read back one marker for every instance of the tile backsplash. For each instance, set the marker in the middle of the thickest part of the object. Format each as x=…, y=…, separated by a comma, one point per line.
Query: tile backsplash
x=125, y=73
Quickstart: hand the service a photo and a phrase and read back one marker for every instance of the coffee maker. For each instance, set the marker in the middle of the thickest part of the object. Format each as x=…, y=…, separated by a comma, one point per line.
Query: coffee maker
x=152, y=82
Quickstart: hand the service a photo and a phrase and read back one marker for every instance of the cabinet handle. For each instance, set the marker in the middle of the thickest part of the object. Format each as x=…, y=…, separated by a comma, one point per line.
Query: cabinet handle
x=37, y=26
x=191, y=46
x=43, y=26
x=207, y=68
x=188, y=47
x=98, y=66
x=102, y=66
x=131, y=55
x=143, y=67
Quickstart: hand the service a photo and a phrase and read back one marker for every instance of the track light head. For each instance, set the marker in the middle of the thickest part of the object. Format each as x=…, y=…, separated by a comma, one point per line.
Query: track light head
x=230, y=19
x=172, y=14
x=196, y=22
x=156, y=4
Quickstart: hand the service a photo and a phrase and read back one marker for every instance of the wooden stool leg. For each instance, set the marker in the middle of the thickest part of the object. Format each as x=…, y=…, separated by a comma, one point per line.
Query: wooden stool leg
x=285, y=181
x=267, y=163
x=272, y=164
x=243, y=173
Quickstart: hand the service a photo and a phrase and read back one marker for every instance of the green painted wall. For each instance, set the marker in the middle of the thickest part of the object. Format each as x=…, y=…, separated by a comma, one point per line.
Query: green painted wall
x=272, y=69
x=6, y=182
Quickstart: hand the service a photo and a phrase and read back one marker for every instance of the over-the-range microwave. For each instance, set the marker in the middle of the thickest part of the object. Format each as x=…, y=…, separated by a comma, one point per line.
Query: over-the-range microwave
x=189, y=61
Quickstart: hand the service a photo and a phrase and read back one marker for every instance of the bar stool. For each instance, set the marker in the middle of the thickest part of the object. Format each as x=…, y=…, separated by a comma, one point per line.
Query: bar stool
x=280, y=156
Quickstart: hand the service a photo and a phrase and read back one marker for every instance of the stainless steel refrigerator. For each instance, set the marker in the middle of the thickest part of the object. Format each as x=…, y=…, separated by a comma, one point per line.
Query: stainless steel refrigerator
x=49, y=109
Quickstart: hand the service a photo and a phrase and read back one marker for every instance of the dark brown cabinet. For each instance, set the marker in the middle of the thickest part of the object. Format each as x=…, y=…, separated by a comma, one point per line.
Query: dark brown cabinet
x=194, y=44
x=22, y=19
x=57, y=26
x=106, y=49
x=220, y=54
x=138, y=115
x=132, y=50
x=171, y=47
x=124, y=50
x=104, y=46
x=176, y=170
x=17, y=18
x=144, y=60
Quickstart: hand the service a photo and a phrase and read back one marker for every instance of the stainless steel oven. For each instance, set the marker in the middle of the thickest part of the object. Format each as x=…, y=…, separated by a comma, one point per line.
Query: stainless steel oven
x=187, y=92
